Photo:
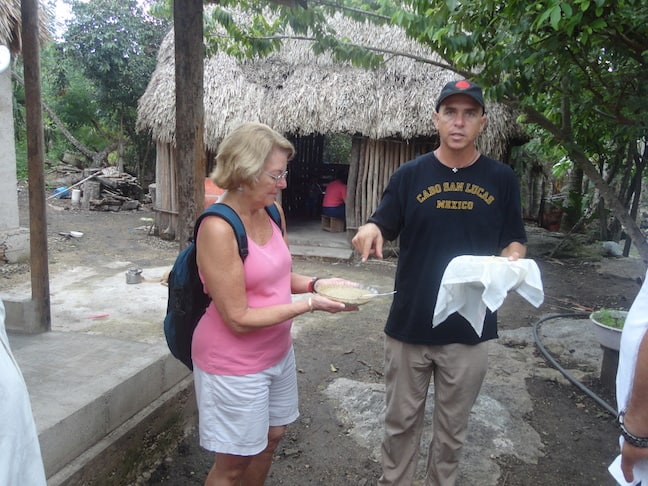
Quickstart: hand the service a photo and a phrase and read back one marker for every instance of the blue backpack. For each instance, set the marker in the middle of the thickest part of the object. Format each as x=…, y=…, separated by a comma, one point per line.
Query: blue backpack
x=187, y=301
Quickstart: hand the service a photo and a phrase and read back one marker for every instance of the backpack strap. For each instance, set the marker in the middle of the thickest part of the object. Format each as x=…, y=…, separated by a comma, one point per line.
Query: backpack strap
x=273, y=211
x=229, y=215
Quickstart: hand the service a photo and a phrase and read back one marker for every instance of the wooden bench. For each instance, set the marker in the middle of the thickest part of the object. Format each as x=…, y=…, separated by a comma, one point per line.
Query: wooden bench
x=334, y=225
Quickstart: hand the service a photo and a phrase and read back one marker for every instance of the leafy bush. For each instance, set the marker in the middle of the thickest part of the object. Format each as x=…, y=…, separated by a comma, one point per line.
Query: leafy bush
x=610, y=317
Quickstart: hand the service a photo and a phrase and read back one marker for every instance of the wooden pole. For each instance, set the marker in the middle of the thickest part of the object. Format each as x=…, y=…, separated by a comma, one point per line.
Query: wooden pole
x=35, y=165
x=364, y=156
x=190, y=157
x=352, y=220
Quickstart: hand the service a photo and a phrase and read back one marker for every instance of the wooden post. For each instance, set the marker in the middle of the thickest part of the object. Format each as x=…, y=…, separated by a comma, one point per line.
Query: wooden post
x=190, y=157
x=35, y=161
x=364, y=155
x=352, y=183
x=609, y=366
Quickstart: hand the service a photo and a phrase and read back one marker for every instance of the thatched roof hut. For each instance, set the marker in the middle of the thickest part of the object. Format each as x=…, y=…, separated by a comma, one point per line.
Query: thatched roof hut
x=387, y=110
x=11, y=24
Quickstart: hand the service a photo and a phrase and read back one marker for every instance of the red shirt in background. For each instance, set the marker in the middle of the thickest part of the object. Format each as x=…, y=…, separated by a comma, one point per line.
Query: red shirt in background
x=335, y=194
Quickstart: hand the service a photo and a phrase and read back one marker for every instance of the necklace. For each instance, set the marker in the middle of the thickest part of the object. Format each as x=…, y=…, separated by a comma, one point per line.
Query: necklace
x=456, y=169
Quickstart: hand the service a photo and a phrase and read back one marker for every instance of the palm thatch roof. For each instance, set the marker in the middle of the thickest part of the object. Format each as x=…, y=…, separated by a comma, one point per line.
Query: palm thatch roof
x=299, y=93
x=11, y=24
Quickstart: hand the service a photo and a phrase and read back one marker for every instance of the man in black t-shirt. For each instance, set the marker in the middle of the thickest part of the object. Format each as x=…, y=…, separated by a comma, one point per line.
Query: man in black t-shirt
x=450, y=202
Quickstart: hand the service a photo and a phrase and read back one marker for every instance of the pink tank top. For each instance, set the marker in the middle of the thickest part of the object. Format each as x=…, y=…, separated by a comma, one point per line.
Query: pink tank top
x=216, y=349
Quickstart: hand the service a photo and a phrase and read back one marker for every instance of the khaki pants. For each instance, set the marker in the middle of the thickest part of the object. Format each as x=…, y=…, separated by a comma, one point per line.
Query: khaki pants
x=458, y=371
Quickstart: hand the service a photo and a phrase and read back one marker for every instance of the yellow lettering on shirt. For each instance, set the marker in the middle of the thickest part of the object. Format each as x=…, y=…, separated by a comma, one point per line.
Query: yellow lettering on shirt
x=428, y=192
x=454, y=186
x=449, y=204
x=480, y=192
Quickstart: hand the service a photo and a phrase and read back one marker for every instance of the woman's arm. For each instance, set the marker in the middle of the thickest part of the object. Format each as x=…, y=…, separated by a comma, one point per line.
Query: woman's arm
x=222, y=268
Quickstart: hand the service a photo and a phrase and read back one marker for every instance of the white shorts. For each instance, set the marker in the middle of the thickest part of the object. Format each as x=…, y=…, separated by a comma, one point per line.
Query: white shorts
x=235, y=412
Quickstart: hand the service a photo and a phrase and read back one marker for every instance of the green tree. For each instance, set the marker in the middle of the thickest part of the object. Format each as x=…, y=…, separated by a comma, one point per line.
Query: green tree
x=114, y=44
x=575, y=69
x=71, y=96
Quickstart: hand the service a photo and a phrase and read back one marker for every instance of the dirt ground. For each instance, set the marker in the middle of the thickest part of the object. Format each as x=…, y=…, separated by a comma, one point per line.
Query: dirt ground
x=578, y=438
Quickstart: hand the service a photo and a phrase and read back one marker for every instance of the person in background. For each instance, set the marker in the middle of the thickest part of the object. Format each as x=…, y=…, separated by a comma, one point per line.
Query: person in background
x=632, y=390
x=314, y=197
x=449, y=202
x=20, y=454
x=334, y=202
x=244, y=362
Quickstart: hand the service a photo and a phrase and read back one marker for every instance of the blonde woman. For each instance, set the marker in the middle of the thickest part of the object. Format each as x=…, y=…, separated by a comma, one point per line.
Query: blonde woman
x=244, y=363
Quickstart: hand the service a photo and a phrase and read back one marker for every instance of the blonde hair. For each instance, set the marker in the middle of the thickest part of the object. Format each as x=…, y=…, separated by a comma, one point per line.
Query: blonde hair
x=243, y=152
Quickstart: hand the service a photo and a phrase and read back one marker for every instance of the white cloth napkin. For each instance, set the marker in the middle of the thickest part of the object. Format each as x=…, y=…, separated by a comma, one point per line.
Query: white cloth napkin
x=470, y=284
x=640, y=472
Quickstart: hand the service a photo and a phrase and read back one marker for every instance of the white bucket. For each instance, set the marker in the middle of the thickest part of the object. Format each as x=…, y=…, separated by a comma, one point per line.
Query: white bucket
x=76, y=196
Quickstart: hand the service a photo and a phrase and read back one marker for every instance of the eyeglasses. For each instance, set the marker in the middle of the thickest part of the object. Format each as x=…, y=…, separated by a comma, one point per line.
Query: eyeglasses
x=278, y=178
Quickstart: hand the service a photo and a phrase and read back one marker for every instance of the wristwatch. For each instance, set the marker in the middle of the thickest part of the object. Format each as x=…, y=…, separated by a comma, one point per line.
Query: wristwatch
x=311, y=285
x=632, y=439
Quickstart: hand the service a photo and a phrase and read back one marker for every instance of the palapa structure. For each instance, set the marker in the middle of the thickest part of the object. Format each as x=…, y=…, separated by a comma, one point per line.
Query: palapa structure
x=388, y=111
x=11, y=24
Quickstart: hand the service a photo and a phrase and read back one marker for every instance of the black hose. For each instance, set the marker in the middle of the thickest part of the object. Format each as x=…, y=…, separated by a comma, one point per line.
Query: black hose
x=536, y=326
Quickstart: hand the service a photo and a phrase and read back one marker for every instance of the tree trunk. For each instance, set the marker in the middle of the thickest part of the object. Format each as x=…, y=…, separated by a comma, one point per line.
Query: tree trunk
x=636, y=188
x=574, y=204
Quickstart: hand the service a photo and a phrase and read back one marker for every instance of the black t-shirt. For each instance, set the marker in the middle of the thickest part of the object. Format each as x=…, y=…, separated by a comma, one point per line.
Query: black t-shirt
x=440, y=214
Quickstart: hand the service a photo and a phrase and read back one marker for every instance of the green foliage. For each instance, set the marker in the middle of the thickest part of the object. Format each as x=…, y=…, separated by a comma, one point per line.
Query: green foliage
x=66, y=89
x=610, y=317
x=72, y=97
x=337, y=148
x=94, y=77
x=21, y=159
x=115, y=45
x=260, y=27
x=561, y=168
x=162, y=10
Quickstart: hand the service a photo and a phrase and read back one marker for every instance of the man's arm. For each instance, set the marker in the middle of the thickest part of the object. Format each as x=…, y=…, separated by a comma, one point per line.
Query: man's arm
x=368, y=241
x=514, y=251
x=635, y=418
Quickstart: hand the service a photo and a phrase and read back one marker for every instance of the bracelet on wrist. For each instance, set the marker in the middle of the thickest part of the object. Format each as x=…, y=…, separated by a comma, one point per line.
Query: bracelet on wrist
x=310, y=304
x=311, y=285
x=641, y=442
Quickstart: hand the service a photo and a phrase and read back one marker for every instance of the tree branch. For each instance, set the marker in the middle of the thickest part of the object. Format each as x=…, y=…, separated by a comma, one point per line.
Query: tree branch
x=97, y=157
x=380, y=50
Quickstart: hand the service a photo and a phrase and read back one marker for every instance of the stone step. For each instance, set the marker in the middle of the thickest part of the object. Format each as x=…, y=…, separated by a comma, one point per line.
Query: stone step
x=323, y=252
x=83, y=387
